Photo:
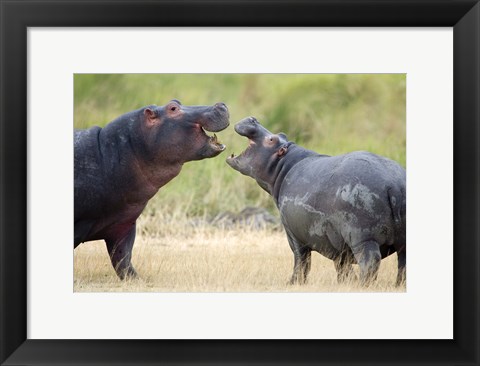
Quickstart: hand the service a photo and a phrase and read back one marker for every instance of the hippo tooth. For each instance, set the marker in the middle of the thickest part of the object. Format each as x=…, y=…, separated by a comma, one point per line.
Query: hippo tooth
x=215, y=140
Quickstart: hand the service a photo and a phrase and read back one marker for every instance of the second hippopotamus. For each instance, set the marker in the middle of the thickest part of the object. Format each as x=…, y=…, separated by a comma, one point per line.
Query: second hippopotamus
x=118, y=169
x=350, y=208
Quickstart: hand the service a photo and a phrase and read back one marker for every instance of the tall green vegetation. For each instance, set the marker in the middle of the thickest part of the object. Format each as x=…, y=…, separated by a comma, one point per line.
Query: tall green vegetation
x=329, y=113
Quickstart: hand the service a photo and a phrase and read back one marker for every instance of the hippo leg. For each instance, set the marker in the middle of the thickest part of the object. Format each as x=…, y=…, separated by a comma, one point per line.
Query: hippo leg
x=344, y=268
x=301, y=266
x=302, y=261
x=120, y=251
x=368, y=257
x=402, y=261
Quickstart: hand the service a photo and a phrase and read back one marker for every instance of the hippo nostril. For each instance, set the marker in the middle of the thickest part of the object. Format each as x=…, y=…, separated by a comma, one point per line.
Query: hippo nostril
x=221, y=105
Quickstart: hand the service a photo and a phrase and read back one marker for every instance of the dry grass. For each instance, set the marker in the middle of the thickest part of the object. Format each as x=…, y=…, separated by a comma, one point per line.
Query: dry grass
x=184, y=258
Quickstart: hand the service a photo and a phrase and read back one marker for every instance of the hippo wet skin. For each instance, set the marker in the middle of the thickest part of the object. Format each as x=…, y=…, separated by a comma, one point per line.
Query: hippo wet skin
x=118, y=168
x=350, y=208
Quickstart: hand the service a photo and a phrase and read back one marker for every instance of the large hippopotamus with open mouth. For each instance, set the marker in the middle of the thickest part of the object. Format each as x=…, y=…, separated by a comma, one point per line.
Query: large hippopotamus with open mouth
x=118, y=168
x=350, y=208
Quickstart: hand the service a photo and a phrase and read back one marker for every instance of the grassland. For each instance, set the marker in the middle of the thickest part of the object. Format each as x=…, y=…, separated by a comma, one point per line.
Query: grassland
x=331, y=114
x=182, y=257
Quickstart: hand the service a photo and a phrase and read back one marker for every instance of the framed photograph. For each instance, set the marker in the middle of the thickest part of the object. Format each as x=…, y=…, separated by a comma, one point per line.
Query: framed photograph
x=215, y=285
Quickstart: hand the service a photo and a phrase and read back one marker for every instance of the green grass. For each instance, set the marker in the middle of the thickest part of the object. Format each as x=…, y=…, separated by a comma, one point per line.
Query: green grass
x=329, y=113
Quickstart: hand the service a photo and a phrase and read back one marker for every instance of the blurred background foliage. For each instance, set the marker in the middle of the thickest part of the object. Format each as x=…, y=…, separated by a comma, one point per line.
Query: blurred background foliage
x=329, y=113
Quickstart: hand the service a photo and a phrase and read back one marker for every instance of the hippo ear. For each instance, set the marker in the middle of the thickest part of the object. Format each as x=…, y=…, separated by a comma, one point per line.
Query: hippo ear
x=150, y=116
x=282, y=151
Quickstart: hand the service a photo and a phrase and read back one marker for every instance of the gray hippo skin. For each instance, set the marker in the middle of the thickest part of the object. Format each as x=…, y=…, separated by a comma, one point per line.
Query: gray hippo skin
x=118, y=168
x=350, y=208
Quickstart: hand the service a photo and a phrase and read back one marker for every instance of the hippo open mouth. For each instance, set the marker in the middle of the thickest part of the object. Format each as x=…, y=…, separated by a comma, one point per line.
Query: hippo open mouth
x=215, y=143
x=244, y=153
x=247, y=127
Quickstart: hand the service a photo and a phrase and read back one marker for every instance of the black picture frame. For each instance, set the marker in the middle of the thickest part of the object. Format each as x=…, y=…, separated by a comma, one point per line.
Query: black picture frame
x=17, y=15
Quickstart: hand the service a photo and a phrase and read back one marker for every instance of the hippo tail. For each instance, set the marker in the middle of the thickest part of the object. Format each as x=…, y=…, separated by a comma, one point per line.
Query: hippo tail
x=398, y=208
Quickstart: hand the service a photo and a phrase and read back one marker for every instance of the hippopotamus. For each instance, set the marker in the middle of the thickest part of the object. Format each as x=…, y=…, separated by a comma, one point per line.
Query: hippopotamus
x=349, y=208
x=120, y=167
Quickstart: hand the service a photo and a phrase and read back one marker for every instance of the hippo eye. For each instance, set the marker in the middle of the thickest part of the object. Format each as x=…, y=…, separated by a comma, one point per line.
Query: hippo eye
x=173, y=107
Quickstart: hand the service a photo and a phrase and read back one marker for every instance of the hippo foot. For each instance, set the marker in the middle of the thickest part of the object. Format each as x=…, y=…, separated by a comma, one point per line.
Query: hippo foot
x=127, y=274
x=402, y=271
x=346, y=277
x=297, y=281
x=400, y=283
x=401, y=278
x=367, y=279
